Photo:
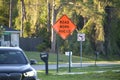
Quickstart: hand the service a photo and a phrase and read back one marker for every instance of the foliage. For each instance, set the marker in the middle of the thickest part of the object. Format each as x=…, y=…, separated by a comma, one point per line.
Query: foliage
x=42, y=47
x=1, y=30
x=4, y=12
x=46, y=39
x=27, y=28
x=35, y=16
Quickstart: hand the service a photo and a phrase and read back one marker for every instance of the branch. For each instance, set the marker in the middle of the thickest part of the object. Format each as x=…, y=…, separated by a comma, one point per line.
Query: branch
x=58, y=9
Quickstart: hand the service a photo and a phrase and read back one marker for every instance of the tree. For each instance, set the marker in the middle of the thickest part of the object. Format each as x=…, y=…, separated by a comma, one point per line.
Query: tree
x=10, y=14
x=100, y=24
x=1, y=30
x=55, y=11
x=4, y=12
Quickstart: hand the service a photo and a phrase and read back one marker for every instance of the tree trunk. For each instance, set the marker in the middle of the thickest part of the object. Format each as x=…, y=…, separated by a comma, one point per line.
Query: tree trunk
x=10, y=14
x=23, y=16
x=53, y=34
x=107, y=28
x=48, y=16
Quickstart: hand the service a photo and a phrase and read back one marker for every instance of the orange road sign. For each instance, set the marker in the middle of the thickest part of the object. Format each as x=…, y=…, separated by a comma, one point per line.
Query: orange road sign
x=64, y=27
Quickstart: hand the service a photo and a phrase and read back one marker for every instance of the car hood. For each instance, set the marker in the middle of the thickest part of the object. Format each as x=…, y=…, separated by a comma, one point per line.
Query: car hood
x=15, y=68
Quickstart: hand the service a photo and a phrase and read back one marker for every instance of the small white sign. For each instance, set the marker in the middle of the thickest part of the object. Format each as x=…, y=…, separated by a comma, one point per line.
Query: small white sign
x=80, y=37
x=68, y=53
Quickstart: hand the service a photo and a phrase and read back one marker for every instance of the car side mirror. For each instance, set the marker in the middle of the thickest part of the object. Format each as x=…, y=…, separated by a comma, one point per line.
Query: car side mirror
x=33, y=61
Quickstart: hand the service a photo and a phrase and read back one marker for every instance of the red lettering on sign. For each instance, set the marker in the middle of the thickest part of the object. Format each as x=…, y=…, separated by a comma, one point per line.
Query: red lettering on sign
x=64, y=22
x=64, y=31
x=64, y=26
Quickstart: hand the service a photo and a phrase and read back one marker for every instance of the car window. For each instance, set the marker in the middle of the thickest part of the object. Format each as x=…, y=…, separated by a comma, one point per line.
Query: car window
x=12, y=57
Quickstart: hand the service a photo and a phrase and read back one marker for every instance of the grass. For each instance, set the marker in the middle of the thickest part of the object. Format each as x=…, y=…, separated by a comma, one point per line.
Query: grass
x=62, y=58
x=109, y=74
x=52, y=58
x=33, y=55
x=91, y=74
x=92, y=68
x=97, y=76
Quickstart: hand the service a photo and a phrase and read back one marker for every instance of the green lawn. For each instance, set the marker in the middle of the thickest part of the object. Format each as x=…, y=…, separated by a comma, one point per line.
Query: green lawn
x=62, y=58
x=91, y=74
x=96, y=76
x=52, y=58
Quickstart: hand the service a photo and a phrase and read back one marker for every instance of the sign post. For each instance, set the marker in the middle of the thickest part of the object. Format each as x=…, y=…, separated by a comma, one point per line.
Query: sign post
x=81, y=38
x=69, y=54
x=64, y=27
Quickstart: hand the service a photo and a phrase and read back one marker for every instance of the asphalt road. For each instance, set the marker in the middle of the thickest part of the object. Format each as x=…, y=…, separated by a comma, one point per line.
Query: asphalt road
x=54, y=66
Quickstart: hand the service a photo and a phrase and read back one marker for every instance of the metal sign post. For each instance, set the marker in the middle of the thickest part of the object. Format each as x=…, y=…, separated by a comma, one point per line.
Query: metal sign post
x=69, y=62
x=81, y=52
x=69, y=54
x=81, y=38
x=57, y=53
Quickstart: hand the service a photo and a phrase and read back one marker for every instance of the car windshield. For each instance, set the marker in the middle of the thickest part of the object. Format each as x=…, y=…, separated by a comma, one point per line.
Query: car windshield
x=12, y=57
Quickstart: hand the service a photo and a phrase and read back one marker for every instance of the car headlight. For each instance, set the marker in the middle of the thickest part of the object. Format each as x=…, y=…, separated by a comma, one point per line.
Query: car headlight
x=29, y=74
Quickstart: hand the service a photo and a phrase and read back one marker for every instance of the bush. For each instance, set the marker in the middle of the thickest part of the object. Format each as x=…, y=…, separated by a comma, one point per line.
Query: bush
x=41, y=47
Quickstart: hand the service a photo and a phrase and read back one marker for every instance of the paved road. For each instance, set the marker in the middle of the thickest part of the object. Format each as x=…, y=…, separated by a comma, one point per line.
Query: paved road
x=54, y=66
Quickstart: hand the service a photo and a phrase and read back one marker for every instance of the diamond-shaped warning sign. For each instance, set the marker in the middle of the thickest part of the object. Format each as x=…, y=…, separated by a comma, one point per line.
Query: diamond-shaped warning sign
x=64, y=27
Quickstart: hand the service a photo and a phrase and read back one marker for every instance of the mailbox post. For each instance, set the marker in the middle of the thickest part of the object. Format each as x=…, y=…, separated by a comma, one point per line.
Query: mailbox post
x=44, y=57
